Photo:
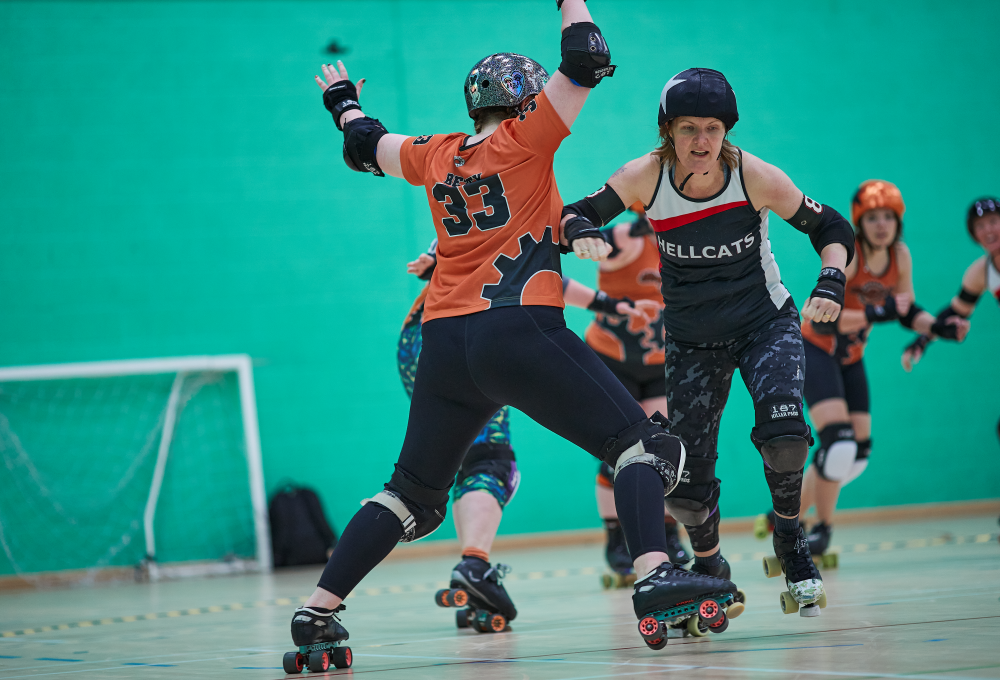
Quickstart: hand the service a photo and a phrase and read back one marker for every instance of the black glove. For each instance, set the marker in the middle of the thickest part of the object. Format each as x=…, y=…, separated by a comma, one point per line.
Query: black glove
x=579, y=227
x=830, y=285
x=340, y=97
x=606, y=304
x=918, y=345
x=947, y=331
x=884, y=312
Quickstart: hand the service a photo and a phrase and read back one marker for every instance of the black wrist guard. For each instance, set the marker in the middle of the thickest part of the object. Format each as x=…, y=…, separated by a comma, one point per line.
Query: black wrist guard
x=606, y=304
x=586, y=58
x=579, y=227
x=830, y=285
x=918, y=345
x=361, y=137
x=884, y=312
x=340, y=97
x=906, y=320
x=944, y=330
x=966, y=295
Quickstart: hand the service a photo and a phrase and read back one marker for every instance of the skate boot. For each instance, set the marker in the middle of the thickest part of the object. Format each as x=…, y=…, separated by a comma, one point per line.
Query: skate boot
x=819, y=542
x=675, y=549
x=672, y=597
x=722, y=570
x=477, y=591
x=319, y=636
x=805, y=593
x=620, y=572
x=763, y=525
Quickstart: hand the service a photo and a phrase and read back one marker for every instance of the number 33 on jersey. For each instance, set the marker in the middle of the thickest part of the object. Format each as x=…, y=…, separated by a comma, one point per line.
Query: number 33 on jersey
x=496, y=212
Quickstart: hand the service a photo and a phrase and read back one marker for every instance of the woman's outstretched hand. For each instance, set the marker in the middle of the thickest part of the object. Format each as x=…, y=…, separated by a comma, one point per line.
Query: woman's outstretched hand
x=334, y=74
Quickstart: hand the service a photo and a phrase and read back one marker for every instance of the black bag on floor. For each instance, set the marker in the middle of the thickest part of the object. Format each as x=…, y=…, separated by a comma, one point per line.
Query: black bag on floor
x=300, y=533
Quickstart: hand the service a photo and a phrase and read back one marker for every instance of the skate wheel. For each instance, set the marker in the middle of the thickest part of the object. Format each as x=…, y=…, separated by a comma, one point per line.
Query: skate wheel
x=441, y=598
x=462, y=618
x=831, y=560
x=696, y=627
x=458, y=598
x=720, y=625
x=342, y=657
x=650, y=629
x=658, y=644
x=495, y=623
x=788, y=603
x=740, y=596
x=772, y=566
x=709, y=611
x=606, y=581
x=293, y=663
x=735, y=609
x=822, y=601
x=319, y=661
x=761, y=527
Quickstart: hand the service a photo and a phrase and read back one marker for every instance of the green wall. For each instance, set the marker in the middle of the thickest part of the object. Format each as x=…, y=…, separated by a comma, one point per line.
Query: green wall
x=171, y=185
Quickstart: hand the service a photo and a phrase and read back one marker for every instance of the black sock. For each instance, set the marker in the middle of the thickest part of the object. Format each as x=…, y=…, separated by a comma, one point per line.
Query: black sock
x=368, y=538
x=611, y=524
x=784, y=525
x=639, y=499
x=713, y=560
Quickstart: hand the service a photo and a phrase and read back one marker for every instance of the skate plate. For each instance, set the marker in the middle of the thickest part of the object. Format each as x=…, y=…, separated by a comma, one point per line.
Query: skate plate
x=469, y=615
x=318, y=658
x=696, y=618
x=617, y=579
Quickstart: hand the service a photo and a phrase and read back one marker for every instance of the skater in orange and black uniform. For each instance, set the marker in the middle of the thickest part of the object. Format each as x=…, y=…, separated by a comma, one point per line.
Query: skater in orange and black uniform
x=879, y=290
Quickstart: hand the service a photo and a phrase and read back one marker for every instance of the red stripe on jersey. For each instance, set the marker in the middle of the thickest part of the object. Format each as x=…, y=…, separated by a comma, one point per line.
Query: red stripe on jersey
x=681, y=220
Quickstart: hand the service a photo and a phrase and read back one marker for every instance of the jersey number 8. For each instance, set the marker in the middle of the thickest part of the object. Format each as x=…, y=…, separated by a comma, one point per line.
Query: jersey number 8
x=496, y=212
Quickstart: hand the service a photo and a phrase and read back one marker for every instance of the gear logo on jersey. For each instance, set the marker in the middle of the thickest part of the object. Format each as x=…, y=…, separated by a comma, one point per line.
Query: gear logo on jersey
x=872, y=293
x=513, y=82
x=516, y=272
x=649, y=277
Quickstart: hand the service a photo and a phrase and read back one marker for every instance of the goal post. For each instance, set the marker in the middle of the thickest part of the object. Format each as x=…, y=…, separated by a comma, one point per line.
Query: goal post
x=98, y=423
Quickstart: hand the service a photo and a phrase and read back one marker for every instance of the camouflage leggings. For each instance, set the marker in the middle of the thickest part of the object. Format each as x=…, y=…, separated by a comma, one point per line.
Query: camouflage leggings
x=770, y=361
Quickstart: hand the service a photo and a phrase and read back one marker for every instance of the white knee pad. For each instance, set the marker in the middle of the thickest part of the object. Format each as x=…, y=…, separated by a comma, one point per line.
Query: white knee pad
x=838, y=460
x=856, y=469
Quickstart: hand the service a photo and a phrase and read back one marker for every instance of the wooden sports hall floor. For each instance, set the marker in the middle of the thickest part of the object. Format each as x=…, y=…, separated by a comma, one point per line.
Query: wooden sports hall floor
x=910, y=600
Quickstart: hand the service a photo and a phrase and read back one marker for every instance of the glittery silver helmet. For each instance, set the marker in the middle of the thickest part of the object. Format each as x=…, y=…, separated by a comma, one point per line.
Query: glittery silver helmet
x=503, y=79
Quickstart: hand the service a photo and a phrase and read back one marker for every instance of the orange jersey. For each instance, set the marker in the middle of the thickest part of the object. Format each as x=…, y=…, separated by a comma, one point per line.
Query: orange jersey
x=496, y=210
x=863, y=289
x=625, y=338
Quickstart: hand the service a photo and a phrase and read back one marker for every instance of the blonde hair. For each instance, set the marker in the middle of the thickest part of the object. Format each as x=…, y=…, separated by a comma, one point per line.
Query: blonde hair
x=668, y=154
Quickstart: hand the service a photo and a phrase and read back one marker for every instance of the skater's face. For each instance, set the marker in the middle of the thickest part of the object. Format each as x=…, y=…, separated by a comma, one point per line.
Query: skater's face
x=986, y=229
x=880, y=226
x=698, y=142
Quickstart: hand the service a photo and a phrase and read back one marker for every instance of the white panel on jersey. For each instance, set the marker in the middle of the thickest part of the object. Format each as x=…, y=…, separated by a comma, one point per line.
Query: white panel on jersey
x=776, y=289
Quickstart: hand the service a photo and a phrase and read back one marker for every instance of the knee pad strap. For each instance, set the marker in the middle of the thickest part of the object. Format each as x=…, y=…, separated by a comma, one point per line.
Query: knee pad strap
x=390, y=502
x=647, y=443
x=781, y=434
x=420, y=509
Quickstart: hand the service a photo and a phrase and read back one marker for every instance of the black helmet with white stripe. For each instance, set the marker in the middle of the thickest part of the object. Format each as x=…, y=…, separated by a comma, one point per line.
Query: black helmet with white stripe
x=980, y=207
x=699, y=92
x=503, y=79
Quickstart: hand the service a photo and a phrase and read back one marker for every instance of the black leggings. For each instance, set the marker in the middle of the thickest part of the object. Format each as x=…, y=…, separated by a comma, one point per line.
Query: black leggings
x=469, y=367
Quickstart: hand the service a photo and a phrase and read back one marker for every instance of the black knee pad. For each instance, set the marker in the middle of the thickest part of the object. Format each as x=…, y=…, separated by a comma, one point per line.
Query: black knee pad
x=420, y=509
x=647, y=443
x=837, y=452
x=488, y=459
x=781, y=434
x=705, y=536
x=697, y=494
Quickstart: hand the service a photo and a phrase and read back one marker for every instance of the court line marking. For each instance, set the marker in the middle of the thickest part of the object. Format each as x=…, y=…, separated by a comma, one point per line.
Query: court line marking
x=883, y=546
x=124, y=666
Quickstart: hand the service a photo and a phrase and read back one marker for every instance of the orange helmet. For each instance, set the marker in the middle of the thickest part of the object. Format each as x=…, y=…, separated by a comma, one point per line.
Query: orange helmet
x=876, y=193
x=637, y=208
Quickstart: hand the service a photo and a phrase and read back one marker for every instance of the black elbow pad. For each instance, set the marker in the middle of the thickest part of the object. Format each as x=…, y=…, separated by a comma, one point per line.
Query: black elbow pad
x=599, y=208
x=361, y=137
x=586, y=58
x=824, y=225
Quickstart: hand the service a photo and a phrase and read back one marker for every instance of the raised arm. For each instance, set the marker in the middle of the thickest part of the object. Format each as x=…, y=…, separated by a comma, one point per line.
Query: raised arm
x=831, y=235
x=585, y=61
x=368, y=146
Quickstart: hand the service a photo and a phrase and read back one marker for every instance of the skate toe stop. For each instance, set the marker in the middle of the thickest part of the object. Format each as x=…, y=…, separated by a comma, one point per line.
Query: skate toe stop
x=809, y=610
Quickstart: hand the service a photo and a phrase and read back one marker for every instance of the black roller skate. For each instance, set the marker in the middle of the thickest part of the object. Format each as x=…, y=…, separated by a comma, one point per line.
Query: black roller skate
x=673, y=598
x=675, y=549
x=319, y=637
x=719, y=570
x=819, y=542
x=763, y=525
x=620, y=572
x=477, y=591
x=805, y=593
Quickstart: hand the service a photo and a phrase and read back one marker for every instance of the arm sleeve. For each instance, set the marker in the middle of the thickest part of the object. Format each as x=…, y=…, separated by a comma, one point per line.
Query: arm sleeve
x=539, y=128
x=415, y=156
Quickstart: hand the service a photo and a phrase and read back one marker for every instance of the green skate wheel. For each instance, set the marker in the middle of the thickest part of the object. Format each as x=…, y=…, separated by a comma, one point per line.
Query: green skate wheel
x=319, y=662
x=772, y=566
x=342, y=657
x=734, y=610
x=761, y=527
x=696, y=627
x=606, y=581
x=293, y=663
x=822, y=601
x=831, y=561
x=788, y=603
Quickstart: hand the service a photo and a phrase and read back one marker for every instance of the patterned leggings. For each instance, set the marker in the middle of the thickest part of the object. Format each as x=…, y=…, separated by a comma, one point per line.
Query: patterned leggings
x=490, y=465
x=771, y=363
